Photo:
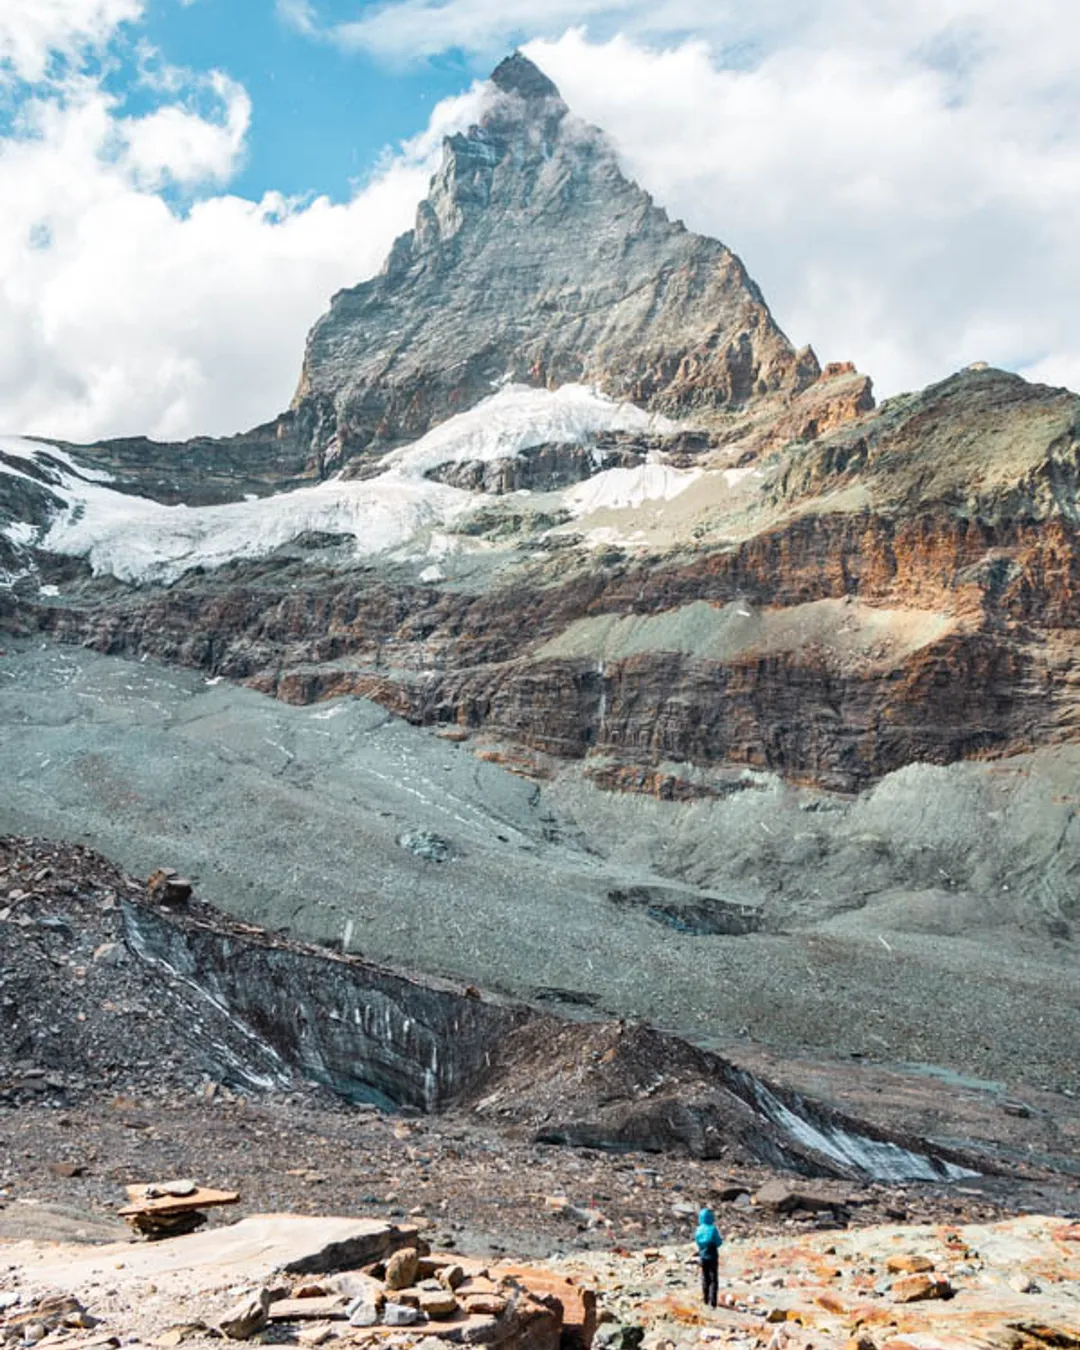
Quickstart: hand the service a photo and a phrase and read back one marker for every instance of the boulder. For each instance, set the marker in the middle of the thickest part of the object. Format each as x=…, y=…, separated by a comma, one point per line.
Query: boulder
x=401, y=1268
x=492, y=1305
x=164, y=887
x=915, y=1288
x=578, y=1302
x=451, y=1276
x=400, y=1315
x=246, y=1317
x=784, y=1198
x=438, y=1304
x=619, y=1336
x=363, y=1314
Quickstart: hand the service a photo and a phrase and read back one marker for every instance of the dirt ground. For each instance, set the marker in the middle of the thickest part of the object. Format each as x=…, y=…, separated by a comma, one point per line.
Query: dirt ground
x=476, y=1188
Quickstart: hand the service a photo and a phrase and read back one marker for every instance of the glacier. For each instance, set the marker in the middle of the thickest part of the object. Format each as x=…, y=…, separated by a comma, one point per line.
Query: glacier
x=139, y=540
x=519, y=417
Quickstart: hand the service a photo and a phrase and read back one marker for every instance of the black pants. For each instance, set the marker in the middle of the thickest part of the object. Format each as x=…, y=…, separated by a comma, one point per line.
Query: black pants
x=708, y=1280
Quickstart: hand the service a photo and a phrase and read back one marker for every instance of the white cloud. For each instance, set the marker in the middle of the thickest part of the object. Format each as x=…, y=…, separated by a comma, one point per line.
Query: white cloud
x=173, y=144
x=300, y=15
x=121, y=314
x=902, y=202
x=32, y=32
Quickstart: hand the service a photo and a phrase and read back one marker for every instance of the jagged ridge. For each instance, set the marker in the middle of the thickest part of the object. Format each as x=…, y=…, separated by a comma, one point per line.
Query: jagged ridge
x=534, y=258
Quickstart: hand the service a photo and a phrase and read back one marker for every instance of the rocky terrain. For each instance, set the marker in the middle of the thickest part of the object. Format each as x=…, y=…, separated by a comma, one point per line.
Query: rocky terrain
x=344, y=825
x=625, y=662
x=121, y=1063
x=286, y=1279
x=205, y=996
x=792, y=1272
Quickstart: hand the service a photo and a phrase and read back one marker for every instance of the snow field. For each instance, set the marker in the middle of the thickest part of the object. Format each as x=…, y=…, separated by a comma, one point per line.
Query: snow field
x=137, y=540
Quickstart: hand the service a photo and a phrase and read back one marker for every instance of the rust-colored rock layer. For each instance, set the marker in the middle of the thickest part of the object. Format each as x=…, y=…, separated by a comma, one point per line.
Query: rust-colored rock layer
x=1001, y=675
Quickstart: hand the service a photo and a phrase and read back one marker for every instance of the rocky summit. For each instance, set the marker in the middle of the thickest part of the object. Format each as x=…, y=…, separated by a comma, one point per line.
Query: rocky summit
x=534, y=259
x=624, y=660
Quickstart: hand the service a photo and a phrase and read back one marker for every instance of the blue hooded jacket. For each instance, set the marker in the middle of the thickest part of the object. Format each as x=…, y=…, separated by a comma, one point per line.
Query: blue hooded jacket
x=707, y=1236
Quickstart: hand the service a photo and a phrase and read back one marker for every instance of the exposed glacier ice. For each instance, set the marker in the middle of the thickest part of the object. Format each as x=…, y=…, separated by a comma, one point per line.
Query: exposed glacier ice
x=136, y=539
x=878, y=1158
x=518, y=418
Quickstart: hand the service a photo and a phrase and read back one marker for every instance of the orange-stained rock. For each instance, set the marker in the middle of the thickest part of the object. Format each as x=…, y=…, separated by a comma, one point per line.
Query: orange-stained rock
x=915, y=1288
x=578, y=1301
x=908, y=1263
x=926, y=1340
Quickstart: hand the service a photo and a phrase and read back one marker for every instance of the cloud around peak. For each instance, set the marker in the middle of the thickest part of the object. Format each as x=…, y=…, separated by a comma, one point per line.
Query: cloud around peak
x=901, y=203
x=138, y=295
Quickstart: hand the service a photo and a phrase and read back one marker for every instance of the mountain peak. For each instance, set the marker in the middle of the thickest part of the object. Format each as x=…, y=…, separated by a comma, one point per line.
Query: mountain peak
x=518, y=75
x=534, y=259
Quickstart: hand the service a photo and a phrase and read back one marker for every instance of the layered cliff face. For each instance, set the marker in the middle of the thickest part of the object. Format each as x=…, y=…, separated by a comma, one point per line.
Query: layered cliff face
x=534, y=259
x=592, y=505
x=902, y=589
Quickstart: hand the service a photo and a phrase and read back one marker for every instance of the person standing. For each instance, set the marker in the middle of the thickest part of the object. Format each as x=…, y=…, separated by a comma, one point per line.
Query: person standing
x=708, y=1240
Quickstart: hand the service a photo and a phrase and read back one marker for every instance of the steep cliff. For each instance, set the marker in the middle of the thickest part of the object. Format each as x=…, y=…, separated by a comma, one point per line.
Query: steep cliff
x=591, y=504
x=534, y=259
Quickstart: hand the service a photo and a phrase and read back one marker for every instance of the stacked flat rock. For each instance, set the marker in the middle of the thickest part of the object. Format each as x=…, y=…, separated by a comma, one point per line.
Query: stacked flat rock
x=171, y=1208
x=445, y=1297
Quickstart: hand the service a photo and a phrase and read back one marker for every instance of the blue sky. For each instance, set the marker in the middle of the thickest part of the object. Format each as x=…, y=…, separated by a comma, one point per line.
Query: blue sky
x=187, y=182
x=321, y=115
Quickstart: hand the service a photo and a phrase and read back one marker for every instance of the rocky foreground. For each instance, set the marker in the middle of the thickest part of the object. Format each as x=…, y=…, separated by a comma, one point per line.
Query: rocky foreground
x=283, y=1279
x=480, y=1225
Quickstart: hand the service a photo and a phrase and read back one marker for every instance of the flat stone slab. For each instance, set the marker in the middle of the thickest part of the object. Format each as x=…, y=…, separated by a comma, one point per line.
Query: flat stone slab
x=201, y=1197
x=331, y=1308
x=247, y=1251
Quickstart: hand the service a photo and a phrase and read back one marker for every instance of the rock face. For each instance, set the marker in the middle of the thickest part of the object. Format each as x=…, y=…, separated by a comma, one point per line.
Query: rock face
x=533, y=258
x=904, y=588
x=745, y=572
x=365, y=1033
x=372, y=1035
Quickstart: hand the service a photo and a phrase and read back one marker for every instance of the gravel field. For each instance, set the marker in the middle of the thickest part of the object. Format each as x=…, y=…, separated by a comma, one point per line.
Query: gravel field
x=920, y=923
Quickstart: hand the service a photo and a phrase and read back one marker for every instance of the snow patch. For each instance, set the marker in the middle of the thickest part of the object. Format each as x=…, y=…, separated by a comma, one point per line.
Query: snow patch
x=35, y=451
x=20, y=533
x=325, y=714
x=136, y=539
x=617, y=489
x=518, y=418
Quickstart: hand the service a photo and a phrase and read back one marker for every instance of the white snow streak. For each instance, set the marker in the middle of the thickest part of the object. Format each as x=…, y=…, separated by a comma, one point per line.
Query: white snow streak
x=615, y=489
